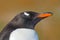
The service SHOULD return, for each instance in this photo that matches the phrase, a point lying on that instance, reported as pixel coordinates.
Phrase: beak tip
(50, 13)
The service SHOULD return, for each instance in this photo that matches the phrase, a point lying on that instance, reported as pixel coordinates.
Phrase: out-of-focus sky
(48, 29)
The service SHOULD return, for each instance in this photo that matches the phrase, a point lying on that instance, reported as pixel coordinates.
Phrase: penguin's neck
(23, 34)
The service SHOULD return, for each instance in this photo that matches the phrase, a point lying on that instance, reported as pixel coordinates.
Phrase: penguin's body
(22, 26)
(23, 34)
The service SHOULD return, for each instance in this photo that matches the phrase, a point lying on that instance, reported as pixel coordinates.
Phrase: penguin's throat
(31, 25)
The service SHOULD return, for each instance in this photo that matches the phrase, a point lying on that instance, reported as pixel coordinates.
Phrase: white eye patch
(26, 14)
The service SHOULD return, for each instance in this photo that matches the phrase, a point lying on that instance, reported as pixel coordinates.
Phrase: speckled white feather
(23, 34)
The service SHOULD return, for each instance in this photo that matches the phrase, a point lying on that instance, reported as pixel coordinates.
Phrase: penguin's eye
(26, 14)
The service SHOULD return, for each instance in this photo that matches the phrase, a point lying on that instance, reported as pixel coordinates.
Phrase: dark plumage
(22, 21)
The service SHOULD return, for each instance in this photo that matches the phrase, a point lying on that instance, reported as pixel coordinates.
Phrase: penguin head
(29, 19)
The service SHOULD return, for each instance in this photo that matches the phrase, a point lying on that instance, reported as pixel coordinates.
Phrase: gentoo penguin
(22, 26)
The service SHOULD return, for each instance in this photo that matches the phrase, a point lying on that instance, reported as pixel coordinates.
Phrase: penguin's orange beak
(44, 15)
